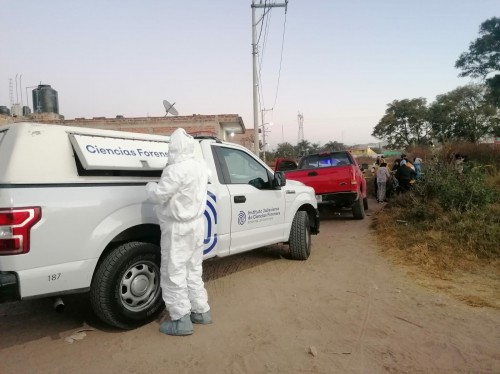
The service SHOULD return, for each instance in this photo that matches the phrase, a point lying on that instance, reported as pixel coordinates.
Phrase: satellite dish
(169, 108)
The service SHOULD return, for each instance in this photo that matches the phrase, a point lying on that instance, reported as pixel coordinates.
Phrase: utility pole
(17, 93)
(263, 126)
(267, 8)
(21, 89)
(11, 92)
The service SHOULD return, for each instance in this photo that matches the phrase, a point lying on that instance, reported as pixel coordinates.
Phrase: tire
(365, 203)
(358, 210)
(125, 290)
(300, 237)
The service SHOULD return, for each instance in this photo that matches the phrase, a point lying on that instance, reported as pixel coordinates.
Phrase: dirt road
(345, 310)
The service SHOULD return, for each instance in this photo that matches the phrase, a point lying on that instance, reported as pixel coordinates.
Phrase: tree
(483, 58)
(303, 148)
(463, 114)
(333, 146)
(493, 93)
(314, 148)
(404, 123)
(285, 150)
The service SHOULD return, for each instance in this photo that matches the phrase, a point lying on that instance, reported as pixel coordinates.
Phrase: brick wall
(196, 124)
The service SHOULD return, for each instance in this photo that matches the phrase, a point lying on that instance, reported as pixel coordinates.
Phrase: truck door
(257, 210)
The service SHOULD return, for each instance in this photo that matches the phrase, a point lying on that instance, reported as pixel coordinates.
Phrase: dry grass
(457, 260)
(448, 245)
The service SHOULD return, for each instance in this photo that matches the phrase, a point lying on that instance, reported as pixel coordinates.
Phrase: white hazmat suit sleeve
(163, 191)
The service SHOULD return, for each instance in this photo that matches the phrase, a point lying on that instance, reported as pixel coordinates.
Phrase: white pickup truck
(74, 215)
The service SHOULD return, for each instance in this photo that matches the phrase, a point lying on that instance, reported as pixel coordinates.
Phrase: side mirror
(279, 180)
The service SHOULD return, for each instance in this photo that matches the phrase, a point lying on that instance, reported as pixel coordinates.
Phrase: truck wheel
(300, 237)
(125, 291)
(365, 203)
(358, 209)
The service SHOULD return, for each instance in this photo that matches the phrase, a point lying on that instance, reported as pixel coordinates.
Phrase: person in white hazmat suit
(181, 195)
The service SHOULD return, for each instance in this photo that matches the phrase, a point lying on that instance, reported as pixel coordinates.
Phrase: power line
(281, 60)
(261, 55)
(255, 57)
(262, 20)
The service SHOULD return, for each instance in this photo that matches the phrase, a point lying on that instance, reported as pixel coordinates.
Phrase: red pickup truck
(335, 176)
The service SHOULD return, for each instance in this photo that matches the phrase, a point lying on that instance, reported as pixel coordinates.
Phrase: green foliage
(454, 215)
(493, 93)
(465, 192)
(477, 231)
(405, 123)
(314, 148)
(287, 150)
(463, 114)
(472, 231)
(483, 56)
(442, 189)
(466, 113)
(333, 146)
(304, 147)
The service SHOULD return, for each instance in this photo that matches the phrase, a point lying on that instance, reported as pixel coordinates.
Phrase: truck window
(325, 160)
(309, 162)
(241, 168)
(287, 165)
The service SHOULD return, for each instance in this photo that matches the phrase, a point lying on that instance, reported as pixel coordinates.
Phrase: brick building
(227, 127)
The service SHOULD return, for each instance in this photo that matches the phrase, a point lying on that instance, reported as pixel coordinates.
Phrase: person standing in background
(382, 177)
(459, 163)
(374, 171)
(417, 162)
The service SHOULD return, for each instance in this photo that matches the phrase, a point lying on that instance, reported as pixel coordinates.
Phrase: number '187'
(53, 277)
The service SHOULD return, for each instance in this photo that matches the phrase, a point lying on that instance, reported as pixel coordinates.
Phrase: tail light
(15, 226)
(354, 182)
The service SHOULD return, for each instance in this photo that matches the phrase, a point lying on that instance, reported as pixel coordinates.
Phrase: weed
(449, 225)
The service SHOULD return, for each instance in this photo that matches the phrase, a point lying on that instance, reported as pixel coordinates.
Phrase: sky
(338, 63)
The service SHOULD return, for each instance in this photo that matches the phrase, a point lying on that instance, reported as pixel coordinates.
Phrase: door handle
(312, 174)
(239, 199)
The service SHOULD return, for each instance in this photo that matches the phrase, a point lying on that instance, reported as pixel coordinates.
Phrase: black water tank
(45, 99)
(4, 110)
(26, 111)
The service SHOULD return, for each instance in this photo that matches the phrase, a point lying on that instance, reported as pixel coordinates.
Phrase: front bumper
(9, 287)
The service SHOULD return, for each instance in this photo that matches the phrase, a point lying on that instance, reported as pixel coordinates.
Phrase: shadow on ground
(25, 321)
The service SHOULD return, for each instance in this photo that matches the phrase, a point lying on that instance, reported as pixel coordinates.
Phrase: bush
(464, 192)
(452, 214)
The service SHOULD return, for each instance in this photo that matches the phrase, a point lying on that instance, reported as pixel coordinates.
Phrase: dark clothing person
(459, 163)
(404, 175)
(395, 166)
